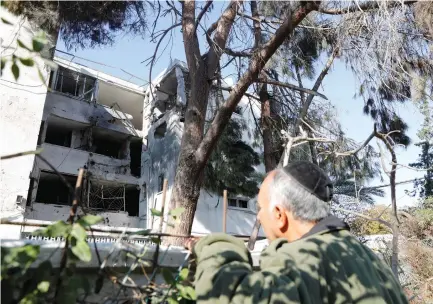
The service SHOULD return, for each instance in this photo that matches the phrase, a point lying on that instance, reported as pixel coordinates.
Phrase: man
(311, 258)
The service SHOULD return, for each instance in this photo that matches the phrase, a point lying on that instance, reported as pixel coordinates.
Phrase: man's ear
(280, 217)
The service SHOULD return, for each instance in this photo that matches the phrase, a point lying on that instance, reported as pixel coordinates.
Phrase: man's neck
(298, 229)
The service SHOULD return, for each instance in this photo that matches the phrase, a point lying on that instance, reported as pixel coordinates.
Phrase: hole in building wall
(132, 199)
(161, 130)
(51, 189)
(74, 83)
(108, 146)
(160, 182)
(58, 136)
(135, 150)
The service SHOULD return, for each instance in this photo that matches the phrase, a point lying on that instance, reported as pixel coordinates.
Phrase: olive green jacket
(327, 265)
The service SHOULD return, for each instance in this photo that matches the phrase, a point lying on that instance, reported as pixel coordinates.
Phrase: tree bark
(189, 175)
(195, 148)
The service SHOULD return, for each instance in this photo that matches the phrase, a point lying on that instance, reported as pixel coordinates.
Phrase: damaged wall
(161, 161)
(45, 212)
(20, 115)
(80, 111)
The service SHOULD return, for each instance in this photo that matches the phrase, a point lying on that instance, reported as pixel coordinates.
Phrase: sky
(128, 53)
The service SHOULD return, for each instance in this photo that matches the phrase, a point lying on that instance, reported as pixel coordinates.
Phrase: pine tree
(424, 188)
(231, 165)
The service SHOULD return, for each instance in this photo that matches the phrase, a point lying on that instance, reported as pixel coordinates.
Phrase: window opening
(52, 190)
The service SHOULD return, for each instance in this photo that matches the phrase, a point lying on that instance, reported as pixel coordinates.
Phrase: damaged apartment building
(93, 121)
(127, 138)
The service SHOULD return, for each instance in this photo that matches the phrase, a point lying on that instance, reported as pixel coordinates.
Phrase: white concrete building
(125, 136)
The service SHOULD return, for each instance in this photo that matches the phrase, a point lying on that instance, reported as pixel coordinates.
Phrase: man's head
(293, 198)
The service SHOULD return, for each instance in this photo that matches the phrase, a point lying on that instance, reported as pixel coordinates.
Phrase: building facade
(126, 137)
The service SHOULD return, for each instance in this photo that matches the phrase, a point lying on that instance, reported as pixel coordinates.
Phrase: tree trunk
(195, 148)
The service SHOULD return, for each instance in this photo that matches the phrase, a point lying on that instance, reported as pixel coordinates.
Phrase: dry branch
(366, 6)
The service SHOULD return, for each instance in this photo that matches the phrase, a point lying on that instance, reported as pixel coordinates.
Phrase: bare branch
(366, 6)
(292, 87)
(231, 52)
(203, 11)
(221, 35)
(364, 144)
(316, 86)
(38, 151)
(256, 65)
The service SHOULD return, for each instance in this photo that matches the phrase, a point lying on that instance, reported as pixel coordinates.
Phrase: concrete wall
(48, 212)
(67, 107)
(162, 157)
(22, 104)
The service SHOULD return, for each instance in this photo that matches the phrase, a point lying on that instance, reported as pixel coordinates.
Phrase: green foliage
(362, 226)
(32, 285)
(84, 23)
(347, 191)
(155, 212)
(39, 41)
(89, 220)
(231, 165)
(424, 188)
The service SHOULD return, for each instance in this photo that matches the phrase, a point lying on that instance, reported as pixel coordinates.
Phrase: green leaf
(155, 212)
(58, 229)
(186, 292)
(15, 71)
(41, 77)
(89, 220)
(30, 298)
(155, 240)
(3, 63)
(167, 275)
(6, 21)
(50, 63)
(44, 286)
(143, 232)
(177, 212)
(172, 301)
(37, 44)
(183, 274)
(21, 44)
(27, 62)
(19, 257)
(78, 232)
(82, 251)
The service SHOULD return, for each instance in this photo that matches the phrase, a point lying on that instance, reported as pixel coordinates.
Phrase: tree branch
(292, 87)
(222, 32)
(366, 6)
(231, 52)
(256, 65)
(203, 11)
(316, 86)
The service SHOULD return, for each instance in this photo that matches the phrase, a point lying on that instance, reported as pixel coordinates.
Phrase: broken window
(106, 196)
(135, 151)
(58, 136)
(107, 146)
(238, 203)
(132, 197)
(160, 182)
(75, 84)
(52, 190)
(160, 130)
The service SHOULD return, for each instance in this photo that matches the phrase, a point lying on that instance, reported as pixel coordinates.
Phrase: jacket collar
(328, 224)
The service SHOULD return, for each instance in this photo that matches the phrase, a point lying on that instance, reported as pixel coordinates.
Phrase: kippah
(311, 178)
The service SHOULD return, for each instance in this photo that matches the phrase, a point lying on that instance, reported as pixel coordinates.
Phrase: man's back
(326, 266)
